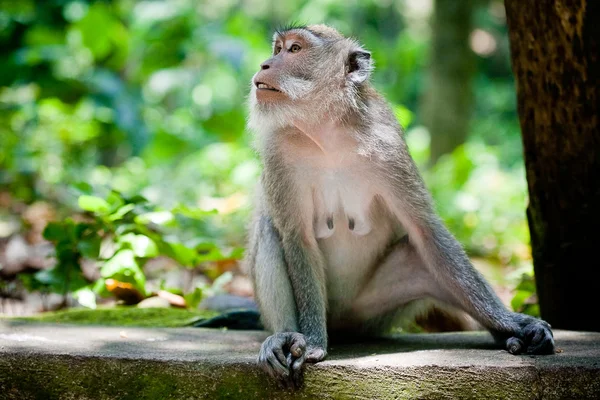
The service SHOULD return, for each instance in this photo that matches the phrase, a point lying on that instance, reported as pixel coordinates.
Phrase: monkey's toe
(315, 354)
(534, 337)
(539, 338)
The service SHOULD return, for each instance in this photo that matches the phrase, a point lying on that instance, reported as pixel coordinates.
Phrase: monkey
(345, 239)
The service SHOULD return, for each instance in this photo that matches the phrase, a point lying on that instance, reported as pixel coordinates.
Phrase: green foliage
(525, 299)
(128, 230)
(67, 237)
(482, 203)
(149, 98)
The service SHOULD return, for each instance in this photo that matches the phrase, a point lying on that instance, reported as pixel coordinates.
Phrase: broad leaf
(93, 204)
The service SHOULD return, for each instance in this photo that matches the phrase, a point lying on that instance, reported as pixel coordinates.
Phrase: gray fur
(339, 192)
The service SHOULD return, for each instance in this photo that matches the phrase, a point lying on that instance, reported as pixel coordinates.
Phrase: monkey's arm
(273, 290)
(456, 280)
(307, 275)
(290, 283)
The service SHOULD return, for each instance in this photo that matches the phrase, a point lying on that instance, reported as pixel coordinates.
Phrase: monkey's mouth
(264, 86)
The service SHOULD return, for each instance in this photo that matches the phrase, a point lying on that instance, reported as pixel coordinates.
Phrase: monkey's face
(313, 72)
(288, 75)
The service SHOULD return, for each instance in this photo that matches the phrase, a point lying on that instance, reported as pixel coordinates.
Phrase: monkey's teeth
(265, 86)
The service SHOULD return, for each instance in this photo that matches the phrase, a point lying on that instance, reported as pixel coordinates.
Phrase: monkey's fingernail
(297, 352)
(330, 222)
(351, 224)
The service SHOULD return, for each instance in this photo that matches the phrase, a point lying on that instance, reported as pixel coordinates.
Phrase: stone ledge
(40, 361)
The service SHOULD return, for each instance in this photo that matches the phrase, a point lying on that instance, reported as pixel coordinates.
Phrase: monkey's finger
(538, 335)
(298, 348)
(539, 339)
(514, 345)
(297, 368)
(280, 369)
(265, 365)
(278, 352)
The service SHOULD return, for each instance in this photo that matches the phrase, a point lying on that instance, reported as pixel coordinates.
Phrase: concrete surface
(75, 362)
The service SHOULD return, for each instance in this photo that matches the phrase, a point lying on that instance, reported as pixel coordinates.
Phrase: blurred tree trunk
(556, 60)
(446, 104)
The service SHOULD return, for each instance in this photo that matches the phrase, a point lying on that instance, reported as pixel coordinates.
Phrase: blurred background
(126, 172)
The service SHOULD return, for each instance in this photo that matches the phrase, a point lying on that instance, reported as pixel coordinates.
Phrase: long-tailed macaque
(345, 238)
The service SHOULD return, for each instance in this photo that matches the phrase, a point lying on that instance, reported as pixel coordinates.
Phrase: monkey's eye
(277, 50)
(295, 48)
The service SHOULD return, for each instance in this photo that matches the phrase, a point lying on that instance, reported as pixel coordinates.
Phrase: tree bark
(556, 62)
(446, 104)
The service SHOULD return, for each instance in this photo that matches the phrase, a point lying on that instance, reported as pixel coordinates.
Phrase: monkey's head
(313, 71)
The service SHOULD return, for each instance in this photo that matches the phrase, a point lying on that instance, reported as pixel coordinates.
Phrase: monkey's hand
(283, 355)
(533, 337)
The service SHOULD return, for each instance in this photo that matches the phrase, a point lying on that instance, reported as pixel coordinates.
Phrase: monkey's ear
(359, 66)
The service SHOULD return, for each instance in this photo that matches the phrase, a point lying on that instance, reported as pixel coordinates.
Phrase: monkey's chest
(342, 201)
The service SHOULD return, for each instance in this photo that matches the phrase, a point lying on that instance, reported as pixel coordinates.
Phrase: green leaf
(83, 188)
(194, 213)
(141, 245)
(93, 204)
(137, 199)
(66, 276)
(183, 254)
(121, 211)
(156, 217)
(194, 298)
(98, 41)
(214, 254)
(210, 252)
(237, 253)
(527, 284)
(115, 201)
(90, 248)
(86, 297)
(55, 232)
(82, 230)
(124, 267)
(30, 282)
(519, 299)
(120, 262)
(99, 287)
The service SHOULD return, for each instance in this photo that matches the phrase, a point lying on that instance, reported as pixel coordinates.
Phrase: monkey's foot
(282, 355)
(534, 337)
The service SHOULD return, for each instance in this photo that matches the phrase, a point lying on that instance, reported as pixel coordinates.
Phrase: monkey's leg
(403, 276)
(400, 278)
(458, 283)
(468, 290)
(283, 353)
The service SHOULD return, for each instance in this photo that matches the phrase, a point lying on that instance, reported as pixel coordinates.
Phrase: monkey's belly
(353, 230)
(342, 203)
(350, 258)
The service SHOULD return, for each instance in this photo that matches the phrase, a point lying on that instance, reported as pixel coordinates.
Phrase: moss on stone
(67, 377)
(63, 376)
(123, 316)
